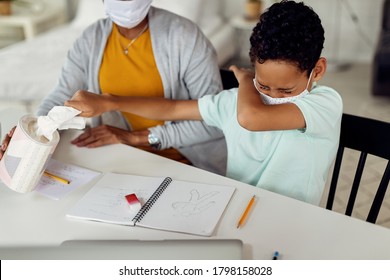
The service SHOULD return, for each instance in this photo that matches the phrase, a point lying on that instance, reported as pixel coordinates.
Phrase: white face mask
(273, 101)
(127, 14)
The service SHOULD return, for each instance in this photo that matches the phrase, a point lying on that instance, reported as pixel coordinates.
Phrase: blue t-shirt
(294, 163)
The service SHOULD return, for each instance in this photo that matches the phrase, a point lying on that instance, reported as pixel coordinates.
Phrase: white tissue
(60, 117)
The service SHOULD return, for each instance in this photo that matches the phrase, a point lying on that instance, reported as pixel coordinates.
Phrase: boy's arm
(92, 105)
(254, 115)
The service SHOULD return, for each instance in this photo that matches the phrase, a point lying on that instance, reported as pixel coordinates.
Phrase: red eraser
(132, 199)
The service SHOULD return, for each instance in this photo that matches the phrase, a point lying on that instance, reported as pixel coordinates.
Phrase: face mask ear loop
(254, 83)
(308, 82)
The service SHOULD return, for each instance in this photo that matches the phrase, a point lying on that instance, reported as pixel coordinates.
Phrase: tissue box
(26, 157)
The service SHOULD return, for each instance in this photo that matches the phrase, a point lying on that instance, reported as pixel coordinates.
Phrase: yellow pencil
(246, 212)
(55, 177)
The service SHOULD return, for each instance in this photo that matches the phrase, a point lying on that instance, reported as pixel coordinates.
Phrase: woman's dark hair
(288, 31)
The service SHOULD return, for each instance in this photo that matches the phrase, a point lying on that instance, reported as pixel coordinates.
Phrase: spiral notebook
(167, 204)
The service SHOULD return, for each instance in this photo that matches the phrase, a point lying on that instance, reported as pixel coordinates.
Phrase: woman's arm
(93, 105)
(187, 63)
(73, 74)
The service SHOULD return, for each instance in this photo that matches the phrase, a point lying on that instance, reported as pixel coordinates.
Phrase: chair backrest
(369, 137)
(228, 79)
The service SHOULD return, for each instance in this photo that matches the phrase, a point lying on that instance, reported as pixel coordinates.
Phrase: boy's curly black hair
(288, 31)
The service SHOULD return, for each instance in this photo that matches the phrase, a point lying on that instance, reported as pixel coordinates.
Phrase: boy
(282, 129)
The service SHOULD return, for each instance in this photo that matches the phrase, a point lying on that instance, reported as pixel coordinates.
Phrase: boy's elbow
(246, 120)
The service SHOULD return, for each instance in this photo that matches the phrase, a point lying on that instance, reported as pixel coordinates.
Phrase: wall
(343, 39)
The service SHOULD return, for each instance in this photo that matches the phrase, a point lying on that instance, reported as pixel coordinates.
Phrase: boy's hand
(242, 74)
(90, 104)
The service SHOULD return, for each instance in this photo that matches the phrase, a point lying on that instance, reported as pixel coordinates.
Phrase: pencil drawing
(196, 204)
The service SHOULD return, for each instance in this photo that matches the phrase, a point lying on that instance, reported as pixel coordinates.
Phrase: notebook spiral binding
(149, 203)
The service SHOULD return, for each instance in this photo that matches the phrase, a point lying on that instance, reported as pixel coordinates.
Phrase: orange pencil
(55, 177)
(246, 212)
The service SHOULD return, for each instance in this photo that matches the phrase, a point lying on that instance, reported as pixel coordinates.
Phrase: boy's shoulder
(322, 89)
(324, 94)
(321, 99)
(224, 101)
(226, 95)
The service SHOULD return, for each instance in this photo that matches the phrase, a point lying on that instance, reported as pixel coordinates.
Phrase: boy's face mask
(127, 14)
(273, 101)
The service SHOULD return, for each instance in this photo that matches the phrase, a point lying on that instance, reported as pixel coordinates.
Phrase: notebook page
(106, 202)
(76, 175)
(188, 207)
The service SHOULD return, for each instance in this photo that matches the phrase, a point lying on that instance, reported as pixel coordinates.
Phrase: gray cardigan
(187, 64)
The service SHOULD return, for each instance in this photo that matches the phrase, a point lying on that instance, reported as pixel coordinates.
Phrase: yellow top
(134, 74)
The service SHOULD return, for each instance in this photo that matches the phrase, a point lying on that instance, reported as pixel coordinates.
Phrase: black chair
(369, 137)
(228, 79)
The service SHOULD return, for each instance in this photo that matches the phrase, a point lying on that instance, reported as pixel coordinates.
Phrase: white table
(296, 229)
(39, 16)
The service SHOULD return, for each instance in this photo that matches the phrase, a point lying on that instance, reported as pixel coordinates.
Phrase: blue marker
(276, 255)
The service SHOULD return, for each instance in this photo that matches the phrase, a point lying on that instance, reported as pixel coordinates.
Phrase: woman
(141, 50)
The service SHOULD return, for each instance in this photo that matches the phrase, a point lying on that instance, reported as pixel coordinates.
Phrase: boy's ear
(319, 69)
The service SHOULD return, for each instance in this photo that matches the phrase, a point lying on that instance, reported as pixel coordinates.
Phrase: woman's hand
(6, 141)
(106, 135)
(90, 104)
